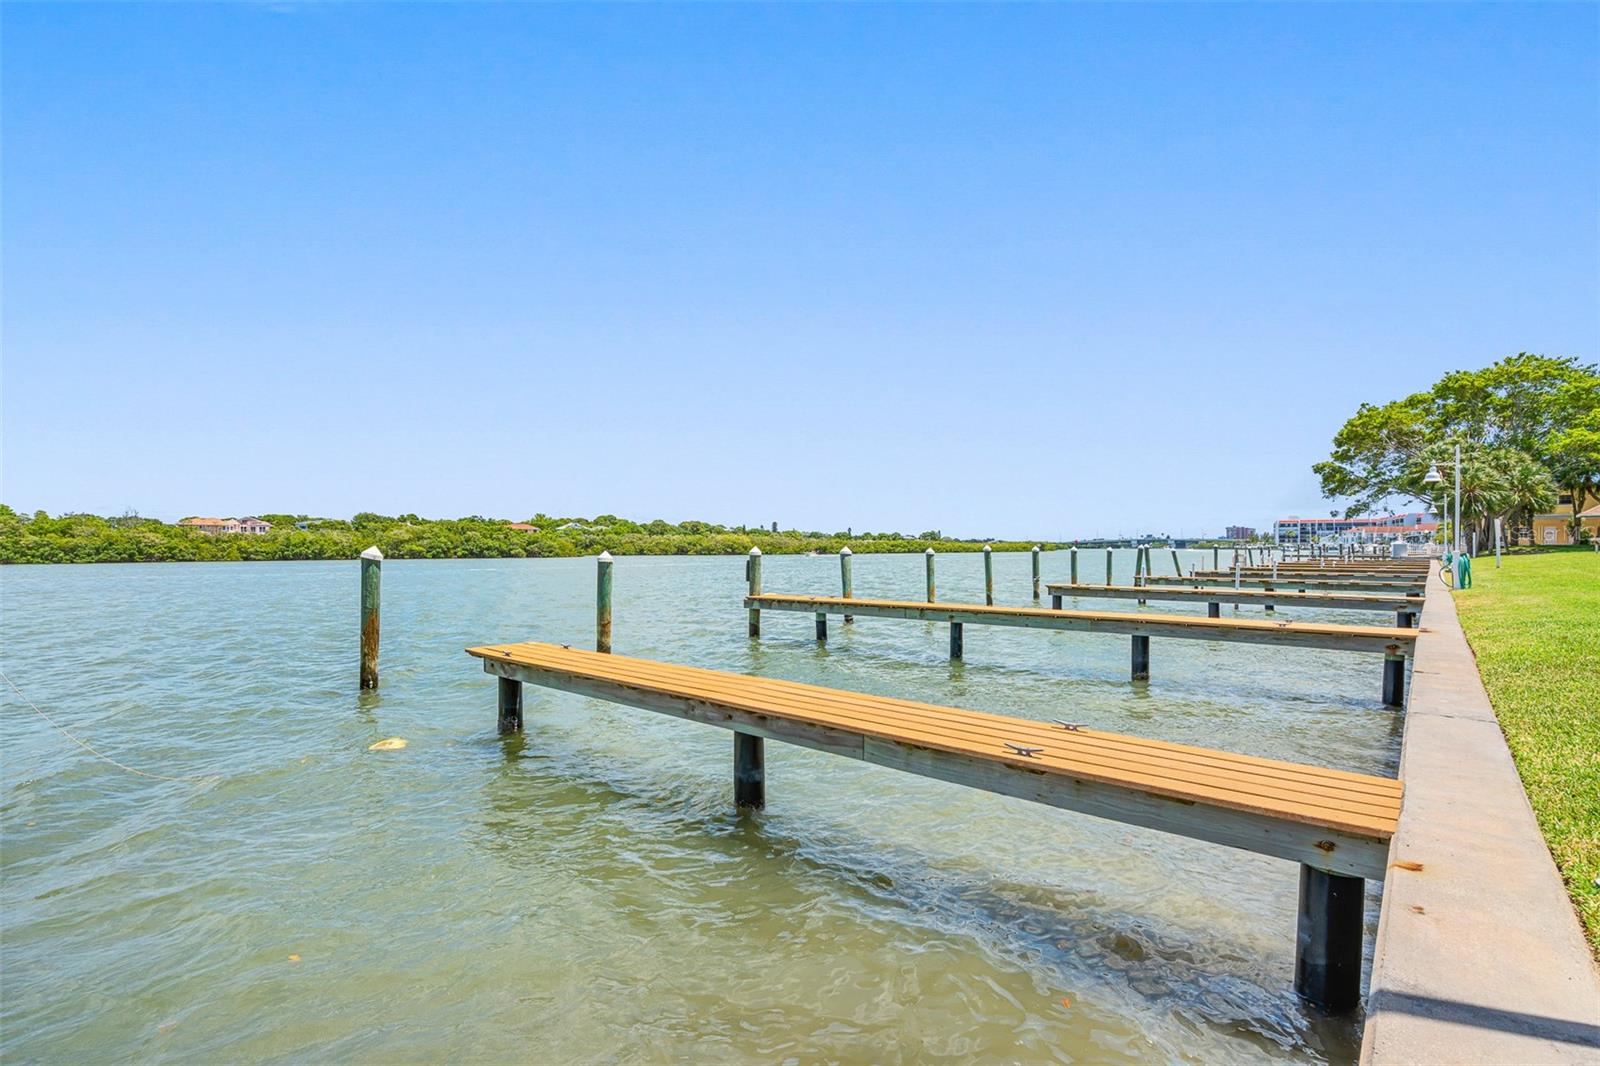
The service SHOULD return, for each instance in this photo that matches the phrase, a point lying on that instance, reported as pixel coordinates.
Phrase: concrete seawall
(1479, 955)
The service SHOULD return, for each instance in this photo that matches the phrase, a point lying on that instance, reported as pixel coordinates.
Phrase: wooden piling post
(929, 556)
(602, 603)
(822, 627)
(1036, 573)
(1214, 609)
(371, 580)
(1327, 944)
(1394, 677)
(749, 771)
(1072, 563)
(956, 647)
(845, 584)
(752, 572)
(1108, 568)
(510, 705)
(988, 575)
(1177, 567)
(1216, 557)
(1055, 603)
(1141, 559)
(1141, 658)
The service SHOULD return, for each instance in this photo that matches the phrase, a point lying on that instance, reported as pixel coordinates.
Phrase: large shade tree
(1526, 425)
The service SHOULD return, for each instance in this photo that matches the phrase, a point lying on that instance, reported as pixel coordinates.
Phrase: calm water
(586, 894)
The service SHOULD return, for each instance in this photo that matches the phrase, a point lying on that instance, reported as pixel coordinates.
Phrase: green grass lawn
(1534, 626)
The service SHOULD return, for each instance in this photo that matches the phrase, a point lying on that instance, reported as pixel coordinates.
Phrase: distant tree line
(1529, 431)
(130, 538)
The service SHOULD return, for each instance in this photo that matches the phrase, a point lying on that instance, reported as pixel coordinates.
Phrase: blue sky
(1022, 270)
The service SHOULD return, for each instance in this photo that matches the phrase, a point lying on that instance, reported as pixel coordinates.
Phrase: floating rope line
(88, 748)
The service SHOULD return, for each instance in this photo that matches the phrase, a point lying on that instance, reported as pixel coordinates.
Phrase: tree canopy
(81, 538)
(1528, 427)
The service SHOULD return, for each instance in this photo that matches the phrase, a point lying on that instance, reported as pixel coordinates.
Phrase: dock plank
(1381, 639)
(1335, 820)
(1351, 601)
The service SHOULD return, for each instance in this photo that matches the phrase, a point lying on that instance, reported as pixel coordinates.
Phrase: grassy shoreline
(1534, 627)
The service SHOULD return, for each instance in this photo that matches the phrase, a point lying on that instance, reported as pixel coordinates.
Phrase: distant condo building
(1414, 526)
(1241, 533)
(226, 525)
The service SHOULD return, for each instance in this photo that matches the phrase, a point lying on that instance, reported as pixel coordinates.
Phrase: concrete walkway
(1479, 957)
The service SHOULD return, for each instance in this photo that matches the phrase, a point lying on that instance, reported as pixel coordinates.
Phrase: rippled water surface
(586, 893)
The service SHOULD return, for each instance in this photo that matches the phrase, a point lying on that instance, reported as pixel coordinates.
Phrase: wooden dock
(1215, 595)
(1315, 571)
(1299, 582)
(1336, 824)
(1391, 642)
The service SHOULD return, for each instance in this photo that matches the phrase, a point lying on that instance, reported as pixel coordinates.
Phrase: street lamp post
(1456, 529)
(1434, 477)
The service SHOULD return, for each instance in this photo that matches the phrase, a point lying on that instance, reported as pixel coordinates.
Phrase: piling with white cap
(371, 578)
(844, 579)
(602, 604)
(752, 573)
(929, 555)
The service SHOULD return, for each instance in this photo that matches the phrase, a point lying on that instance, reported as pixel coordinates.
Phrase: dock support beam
(845, 582)
(510, 703)
(749, 771)
(752, 573)
(1327, 944)
(1213, 609)
(1403, 619)
(988, 576)
(1394, 677)
(602, 604)
(1141, 658)
(929, 556)
(371, 578)
(822, 628)
(1055, 603)
(955, 640)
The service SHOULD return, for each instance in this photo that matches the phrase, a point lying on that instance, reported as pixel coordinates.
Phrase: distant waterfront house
(210, 525)
(226, 525)
(1556, 527)
(522, 527)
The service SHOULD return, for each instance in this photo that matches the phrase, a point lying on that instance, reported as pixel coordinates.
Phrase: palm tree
(1531, 490)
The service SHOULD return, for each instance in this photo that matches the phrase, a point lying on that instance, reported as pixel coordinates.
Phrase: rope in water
(88, 748)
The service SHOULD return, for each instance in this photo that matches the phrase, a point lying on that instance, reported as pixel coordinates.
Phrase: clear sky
(1023, 270)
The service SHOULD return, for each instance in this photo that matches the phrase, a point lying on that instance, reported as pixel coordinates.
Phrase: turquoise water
(586, 893)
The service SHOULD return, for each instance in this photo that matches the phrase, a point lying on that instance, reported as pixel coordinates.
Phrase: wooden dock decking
(1300, 583)
(1337, 825)
(1391, 642)
(1330, 820)
(1348, 601)
(1380, 639)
